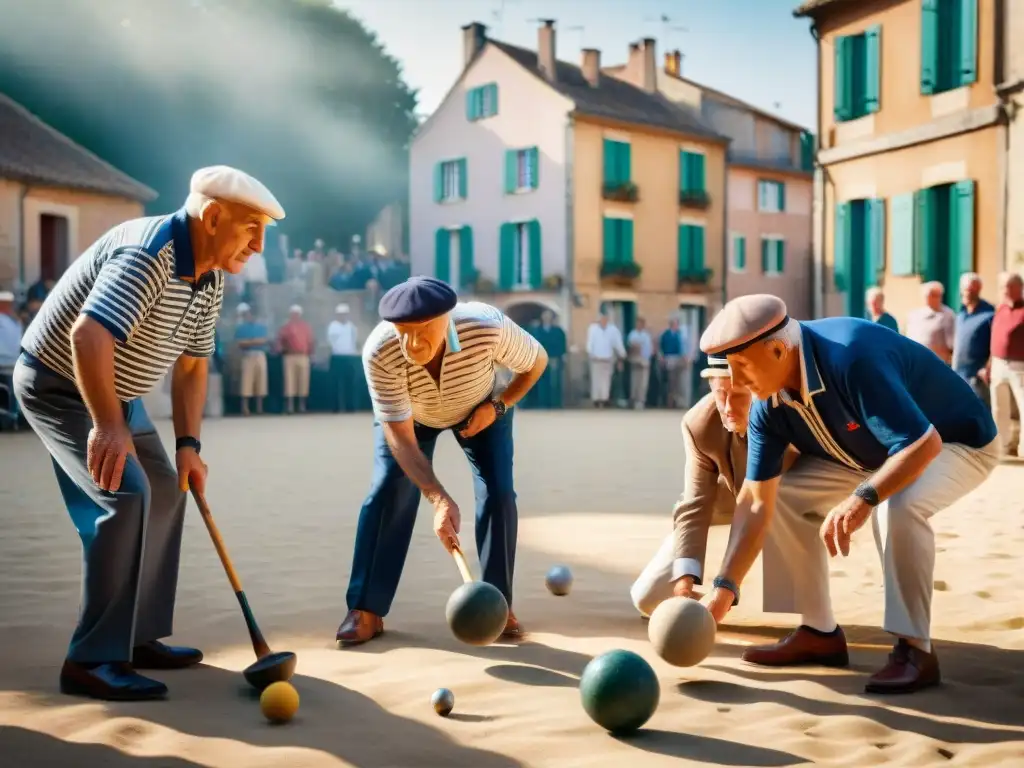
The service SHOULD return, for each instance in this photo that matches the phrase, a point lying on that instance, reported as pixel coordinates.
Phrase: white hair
(873, 292)
(934, 285)
(789, 334)
(969, 277)
(195, 203)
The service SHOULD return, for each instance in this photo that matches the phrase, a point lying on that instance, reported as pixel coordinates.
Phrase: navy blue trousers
(388, 515)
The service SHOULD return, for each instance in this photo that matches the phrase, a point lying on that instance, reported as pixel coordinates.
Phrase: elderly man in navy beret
(430, 366)
(886, 432)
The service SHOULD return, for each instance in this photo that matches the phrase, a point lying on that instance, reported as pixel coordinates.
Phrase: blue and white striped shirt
(132, 281)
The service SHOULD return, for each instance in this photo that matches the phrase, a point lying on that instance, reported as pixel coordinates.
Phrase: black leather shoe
(115, 681)
(156, 655)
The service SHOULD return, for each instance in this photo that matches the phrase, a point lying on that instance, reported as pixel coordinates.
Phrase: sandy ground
(595, 492)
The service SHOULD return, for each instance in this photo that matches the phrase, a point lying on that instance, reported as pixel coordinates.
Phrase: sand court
(595, 494)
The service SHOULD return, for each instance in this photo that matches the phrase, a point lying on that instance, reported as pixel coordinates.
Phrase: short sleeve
(517, 350)
(126, 288)
(389, 392)
(203, 342)
(765, 447)
(884, 405)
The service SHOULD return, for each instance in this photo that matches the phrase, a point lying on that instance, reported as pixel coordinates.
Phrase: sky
(753, 50)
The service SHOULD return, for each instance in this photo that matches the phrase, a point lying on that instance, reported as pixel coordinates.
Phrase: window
(521, 170)
(618, 241)
(949, 44)
(520, 264)
(691, 172)
(773, 255)
(771, 196)
(807, 151)
(691, 251)
(858, 74)
(859, 250)
(458, 242)
(944, 234)
(482, 102)
(617, 170)
(450, 181)
(739, 253)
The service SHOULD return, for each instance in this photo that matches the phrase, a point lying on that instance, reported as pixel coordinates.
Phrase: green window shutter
(534, 161)
(929, 45)
(699, 179)
(697, 257)
(962, 236)
(463, 179)
(842, 246)
(626, 241)
(471, 104)
(626, 164)
(807, 151)
(924, 228)
(466, 267)
(872, 69)
(876, 241)
(610, 242)
(442, 254)
(683, 250)
(536, 260)
(511, 171)
(765, 255)
(438, 182)
(740, 252)
(506, 257)
(843, 83)
(780, 256)
(782, 195)
(968, 64)
(684, 171)
(493, 88)
(610, 162)
(901, 235)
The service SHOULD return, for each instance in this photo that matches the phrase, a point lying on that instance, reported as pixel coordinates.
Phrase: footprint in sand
(948, 754)
(947, 535)
(941, 586)
(725, 709)
(1017, 622)
(984, 595)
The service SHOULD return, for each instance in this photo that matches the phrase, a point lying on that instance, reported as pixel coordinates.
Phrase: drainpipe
(569, 278)
(818, 259)
(21, 236)
(725, 230)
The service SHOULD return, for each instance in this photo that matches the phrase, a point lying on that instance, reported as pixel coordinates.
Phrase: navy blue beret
(418, 298)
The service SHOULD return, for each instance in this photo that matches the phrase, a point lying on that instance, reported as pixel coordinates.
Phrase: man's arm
(92, 353)
(755, 507)
(692, 516)
(188, 395)
(523, 355)
(401, 439)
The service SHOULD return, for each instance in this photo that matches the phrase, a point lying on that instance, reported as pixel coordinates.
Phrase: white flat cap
(222, 182)
(341, 308)
(295, 308)
(6, 296)
(243, 308)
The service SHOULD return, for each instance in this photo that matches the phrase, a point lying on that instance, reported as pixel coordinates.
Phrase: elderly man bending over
(886, 431)
(143, 298)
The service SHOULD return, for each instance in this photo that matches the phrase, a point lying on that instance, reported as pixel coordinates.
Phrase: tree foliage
(297, 92)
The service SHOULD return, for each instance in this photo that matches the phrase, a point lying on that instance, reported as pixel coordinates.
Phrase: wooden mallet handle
(460, 560)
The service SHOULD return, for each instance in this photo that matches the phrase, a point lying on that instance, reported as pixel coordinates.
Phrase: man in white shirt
(346, 363)
(934, 324)
(641, 348)
(605, 351)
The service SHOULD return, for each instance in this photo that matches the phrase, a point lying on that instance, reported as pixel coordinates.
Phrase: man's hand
(719, 603)
(447, 521)
(841, 522)
(983, 375)
(192, 471)
(683, 587)
(108, 449)
(480, 419)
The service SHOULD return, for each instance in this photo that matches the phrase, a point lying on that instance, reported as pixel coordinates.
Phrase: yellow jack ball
(279, 702)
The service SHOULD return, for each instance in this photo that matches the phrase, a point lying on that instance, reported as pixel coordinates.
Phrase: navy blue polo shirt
(973, 339)
(867, 393)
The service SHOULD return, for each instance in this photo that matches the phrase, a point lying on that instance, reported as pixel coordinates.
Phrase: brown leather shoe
(802, 646)
(513, 629)
(908, 669)
(359, 627)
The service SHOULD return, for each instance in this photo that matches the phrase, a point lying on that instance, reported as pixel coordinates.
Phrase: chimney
(473, 38)
(546, 49)
(673, 61)
(649, 71)
(591, 66)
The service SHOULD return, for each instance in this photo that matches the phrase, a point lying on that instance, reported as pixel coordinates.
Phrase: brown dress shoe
(909, 669)
(803, 645)
(513, 629)
(358, 627)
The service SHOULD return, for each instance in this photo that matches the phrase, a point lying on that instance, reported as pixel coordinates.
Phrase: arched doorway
(528, 313)
(548, 392)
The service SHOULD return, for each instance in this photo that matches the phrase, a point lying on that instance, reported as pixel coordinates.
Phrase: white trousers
(795, 560)
(1006, 381)
(601, 372)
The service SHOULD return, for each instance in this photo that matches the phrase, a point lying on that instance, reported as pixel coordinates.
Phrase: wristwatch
(721, 582)
(867, 492)
(499, 407)
(187, 441)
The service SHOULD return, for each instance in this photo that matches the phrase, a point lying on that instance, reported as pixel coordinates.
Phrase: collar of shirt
(811, 381)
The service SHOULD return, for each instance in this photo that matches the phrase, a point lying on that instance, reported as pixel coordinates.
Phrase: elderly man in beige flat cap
(886, 432)
(143, 299)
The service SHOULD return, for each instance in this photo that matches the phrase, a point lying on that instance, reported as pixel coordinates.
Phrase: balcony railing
(694, 198)
(694, 279)
(621, 274)
(625, 192)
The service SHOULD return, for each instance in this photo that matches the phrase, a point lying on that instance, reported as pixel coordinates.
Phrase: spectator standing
(253, 340)
(346, 362)
(972, 340)
(297, 345)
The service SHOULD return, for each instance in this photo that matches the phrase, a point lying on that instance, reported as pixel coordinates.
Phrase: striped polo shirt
(132, 281)
(400, 390)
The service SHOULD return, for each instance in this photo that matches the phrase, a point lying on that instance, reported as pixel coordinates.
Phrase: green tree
(297, 92)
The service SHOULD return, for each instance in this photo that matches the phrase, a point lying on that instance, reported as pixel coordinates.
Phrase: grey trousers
(131, 539)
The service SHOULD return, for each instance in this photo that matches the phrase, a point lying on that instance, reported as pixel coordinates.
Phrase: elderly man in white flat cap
(141, 300)
(346, 360)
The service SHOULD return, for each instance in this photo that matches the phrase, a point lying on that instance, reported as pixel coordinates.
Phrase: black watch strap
(499, 407)
(867, 492)
(721, 582)
(188, 442)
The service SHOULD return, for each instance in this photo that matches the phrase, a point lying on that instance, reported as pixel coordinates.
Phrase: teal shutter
(684, 257)
(843, 82)
(466, 267)
(961, 210)
(872, 68)
(842, 246)
(929, 45)
(876, 241)
(625, 164)
(627, 239)
(471, 104)
(610, 243)
(740, 252)
(765, 255)
(968, 64)
(493, 89)
(807, 151)
(534, 160)
(438, 182)
(924, 227)
(684, 171)
(780, 256)
(511, 171)
(506, 257)
(610, 163)
(781, 185)
(442, 254)
(697, 256)
(463, 178)
(901, 235)
(536, 261)
(699, 171)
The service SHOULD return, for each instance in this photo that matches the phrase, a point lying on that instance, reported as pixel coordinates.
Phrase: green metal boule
(619, 691)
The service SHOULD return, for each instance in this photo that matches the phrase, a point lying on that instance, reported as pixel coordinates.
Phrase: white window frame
(487, 109)
(774, 272)
(522, 278)
(733, 236)
(768, 203)
(523, 180)
(450, 181)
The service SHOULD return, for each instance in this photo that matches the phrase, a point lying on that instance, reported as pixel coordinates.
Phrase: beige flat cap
(742, 322)
(222, 182)
(718, 368)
